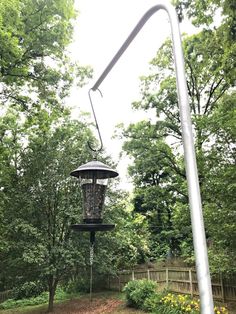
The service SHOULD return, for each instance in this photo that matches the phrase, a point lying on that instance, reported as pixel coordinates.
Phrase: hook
(96, 123)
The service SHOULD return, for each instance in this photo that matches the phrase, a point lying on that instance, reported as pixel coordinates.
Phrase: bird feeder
(93, 177)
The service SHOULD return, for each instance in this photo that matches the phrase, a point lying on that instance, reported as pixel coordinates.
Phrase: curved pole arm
(126, 44)
(199, 238)
(95, 150)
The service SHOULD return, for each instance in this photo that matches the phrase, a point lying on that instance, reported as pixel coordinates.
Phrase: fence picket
(181, 280)
(167, 277)
(191, 282)
(222, 287)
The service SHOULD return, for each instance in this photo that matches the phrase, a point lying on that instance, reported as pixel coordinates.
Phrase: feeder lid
(93, 169)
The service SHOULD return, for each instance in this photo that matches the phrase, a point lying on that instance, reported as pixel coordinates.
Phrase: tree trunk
(52, 289)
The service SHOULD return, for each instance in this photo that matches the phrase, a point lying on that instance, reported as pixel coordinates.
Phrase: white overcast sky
(100, 29)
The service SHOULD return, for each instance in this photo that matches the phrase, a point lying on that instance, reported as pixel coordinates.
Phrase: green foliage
(38, 153)
(79, 285)
(11, 303)
(177, 304)
(28, 289)
(39, 146)
(155, 146)
(159, 186)
(61, 294)
(34, 63)
(40, 299)
(36, 226)
(206, 12)
(180, 304)
(152, 303)
(140, 295)
(124, 247)
(137, 291)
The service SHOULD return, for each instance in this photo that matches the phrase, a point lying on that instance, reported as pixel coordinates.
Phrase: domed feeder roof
(93, 169)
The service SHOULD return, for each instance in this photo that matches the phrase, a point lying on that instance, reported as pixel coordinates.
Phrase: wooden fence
(179, 280)
(5, 295)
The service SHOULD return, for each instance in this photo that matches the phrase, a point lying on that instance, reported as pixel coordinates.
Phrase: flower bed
(142, 294)
(178, 304)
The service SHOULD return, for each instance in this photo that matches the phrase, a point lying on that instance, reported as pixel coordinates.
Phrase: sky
(100, 29)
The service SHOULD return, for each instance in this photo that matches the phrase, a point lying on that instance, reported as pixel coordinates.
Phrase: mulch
(85, 306)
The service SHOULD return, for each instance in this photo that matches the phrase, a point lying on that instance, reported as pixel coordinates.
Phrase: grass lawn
(26, 310)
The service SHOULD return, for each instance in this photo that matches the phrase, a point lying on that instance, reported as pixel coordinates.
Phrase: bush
(137, 291)
(142, 294)
(28, 289)
(78, 285)
(61, 294)
(153, 302)
(82, 283)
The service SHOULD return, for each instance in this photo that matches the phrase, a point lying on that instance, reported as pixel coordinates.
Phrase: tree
(128, 245)
(159, 180)
(210, 82)
(39, 146)
(219, 187)
(34, 63)
(204, 12)
(40, 200)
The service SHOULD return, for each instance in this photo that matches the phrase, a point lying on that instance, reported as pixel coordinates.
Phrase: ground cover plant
(179, 304)
(40, 299)
(142, 294)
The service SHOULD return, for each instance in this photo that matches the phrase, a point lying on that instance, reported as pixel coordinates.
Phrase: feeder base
(92, 227)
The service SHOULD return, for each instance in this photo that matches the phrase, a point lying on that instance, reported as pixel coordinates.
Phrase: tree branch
(211, 93)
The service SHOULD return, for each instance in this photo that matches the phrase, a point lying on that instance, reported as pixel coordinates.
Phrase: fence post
(167, 277)
(133, 275)
(148, 274)
(222, 287)
(191, 282)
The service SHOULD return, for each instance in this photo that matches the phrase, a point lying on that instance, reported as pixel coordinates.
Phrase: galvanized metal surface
(198, 230)
(95, 169)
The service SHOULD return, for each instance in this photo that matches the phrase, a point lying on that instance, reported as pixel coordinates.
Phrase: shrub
(137, 291)
(153, 302)
(142, 294)
(82, 283)
(78, 285)
(28, 289)
(60, 294)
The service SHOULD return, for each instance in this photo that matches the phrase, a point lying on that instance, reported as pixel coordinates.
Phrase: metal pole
(92, 241)
(199, 238)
